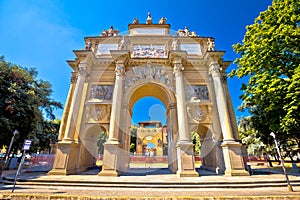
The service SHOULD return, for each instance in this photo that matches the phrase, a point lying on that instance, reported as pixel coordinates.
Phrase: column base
(185, 156)
(236, 173)
(234, 164)
(66, 158)
(108, 172)
(61, 172)
(186, 173)
(111, 159)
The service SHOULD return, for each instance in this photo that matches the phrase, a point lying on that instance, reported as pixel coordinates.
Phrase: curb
(73, 197)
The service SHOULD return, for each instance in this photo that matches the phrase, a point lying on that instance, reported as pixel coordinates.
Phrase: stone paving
(53, 190)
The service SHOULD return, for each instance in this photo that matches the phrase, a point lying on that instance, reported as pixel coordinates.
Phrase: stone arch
(150, 87)
(88, 151)
(208, 146)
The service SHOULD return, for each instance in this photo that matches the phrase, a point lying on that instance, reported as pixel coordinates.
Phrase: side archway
(89, 146)
(208, 147)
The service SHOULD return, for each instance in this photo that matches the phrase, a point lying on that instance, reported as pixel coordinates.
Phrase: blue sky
(42, 33)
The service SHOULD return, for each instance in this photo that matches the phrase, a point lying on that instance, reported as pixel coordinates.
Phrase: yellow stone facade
(114, 71)
(151, 139)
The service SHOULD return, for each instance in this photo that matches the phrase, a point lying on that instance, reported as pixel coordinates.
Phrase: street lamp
(16, 132)
(282, 163)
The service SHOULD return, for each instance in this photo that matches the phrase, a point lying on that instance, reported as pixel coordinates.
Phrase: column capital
(177, 57)
(83, 68)
(178, 68)
(74, 77)
(120, 70)
(214, 69)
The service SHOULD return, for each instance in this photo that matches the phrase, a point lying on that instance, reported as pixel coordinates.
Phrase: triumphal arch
(181, 69)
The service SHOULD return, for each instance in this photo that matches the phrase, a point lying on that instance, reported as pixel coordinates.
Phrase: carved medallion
(96, 112)
(196, 113)
(99, 112)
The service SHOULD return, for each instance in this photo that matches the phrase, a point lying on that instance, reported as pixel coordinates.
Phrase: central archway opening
(148, 134)
(152, 129)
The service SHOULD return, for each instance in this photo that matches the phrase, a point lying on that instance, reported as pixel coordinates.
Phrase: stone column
(216, 128)
(63, 124)
(224, 117)
(116, 105)
(75, 103)
(67, 149)
(113, 147)
(185, 153)
(231, 148)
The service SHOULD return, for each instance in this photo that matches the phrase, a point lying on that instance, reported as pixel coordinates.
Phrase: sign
(26, 145)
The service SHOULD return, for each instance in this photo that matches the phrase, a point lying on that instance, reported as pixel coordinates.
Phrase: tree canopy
(25, 102)
(269, 58)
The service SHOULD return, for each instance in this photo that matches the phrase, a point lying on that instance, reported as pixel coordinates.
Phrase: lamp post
(16, 132)
(282, 163)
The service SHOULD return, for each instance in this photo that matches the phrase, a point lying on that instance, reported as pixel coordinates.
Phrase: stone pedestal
(65, 159)
(233, 159)
(186, 163)
(112, 154)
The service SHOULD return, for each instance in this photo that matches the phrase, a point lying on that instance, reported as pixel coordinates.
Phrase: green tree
(250, 137)
(133, 130)
(46, 134)
(25, 102)
(270, 58)
(195, 138)
(101, 141)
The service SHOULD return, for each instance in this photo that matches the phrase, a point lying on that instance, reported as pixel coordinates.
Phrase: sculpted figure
(110, 31)
(123, 44)
(186, 33)
(193, 34)
(186, 30)
(149, 19)
(88, 45)
(163, 20)
(135, 21)
(175, 45)
(210, 44)
(104, 33)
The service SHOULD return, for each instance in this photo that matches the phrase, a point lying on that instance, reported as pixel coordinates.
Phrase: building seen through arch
(183, 70)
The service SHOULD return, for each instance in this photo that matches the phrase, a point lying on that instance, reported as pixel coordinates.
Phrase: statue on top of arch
(136, 21)
(149, 19)
(111, 32)
(186, 33)
(162, 20)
